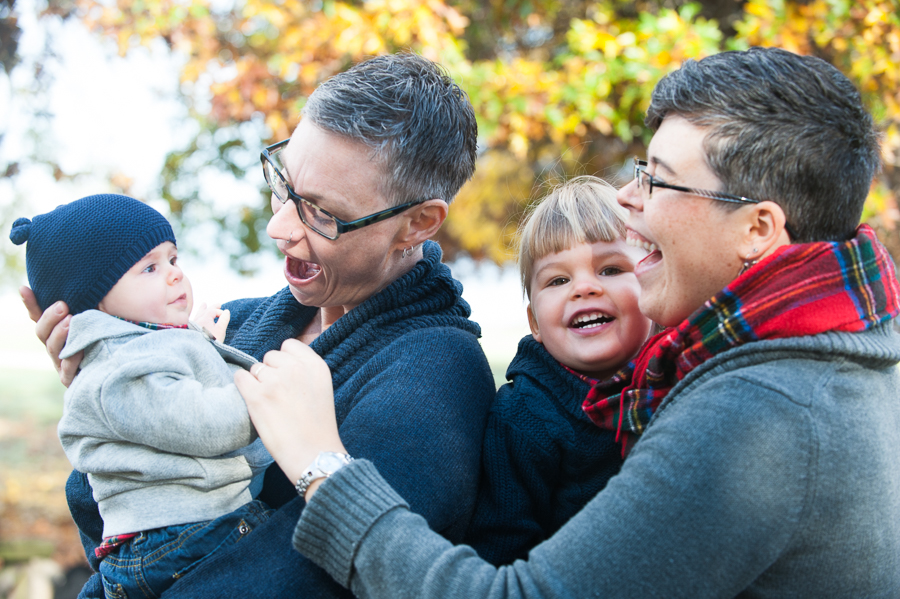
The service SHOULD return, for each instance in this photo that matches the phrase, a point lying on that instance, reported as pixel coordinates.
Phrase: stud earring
(748, 264)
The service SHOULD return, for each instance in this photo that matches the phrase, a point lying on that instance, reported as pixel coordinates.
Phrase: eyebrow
(315, 199)
(611, 254)
(605, 254)
(660, 163)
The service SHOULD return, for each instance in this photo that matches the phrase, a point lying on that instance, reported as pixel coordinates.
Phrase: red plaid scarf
(802, 289)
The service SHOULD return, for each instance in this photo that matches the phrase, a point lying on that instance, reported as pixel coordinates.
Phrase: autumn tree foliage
(560, 87)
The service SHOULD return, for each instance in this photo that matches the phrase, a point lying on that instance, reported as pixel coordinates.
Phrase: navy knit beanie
(78, 251)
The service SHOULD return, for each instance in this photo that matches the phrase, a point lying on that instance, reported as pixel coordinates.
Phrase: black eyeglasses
(646, 182)
(322, 222)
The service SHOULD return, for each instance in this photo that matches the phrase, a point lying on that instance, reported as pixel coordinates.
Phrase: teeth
(303, 269)
(595, 319)
(650, 247)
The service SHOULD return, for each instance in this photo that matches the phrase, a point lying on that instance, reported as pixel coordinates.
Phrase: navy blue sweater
(543, 459)
(412, 390)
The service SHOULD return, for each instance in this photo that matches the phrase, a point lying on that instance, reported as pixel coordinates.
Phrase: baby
(543, 458)
(153, 417)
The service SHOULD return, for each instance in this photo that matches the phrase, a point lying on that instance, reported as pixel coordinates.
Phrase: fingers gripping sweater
(412, 390)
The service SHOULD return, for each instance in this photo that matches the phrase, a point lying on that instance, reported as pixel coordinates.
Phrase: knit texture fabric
(768, 471)
(543, 459)
(800, 290)
(412, 390)
(77, 252)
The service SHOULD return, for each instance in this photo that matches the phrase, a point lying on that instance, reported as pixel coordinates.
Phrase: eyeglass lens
(275, 181)
(317, 220)
(310, 214)
(641, 175)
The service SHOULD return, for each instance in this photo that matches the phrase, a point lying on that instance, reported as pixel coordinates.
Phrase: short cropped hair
(782, 127)
(418, 122)
(582, 210)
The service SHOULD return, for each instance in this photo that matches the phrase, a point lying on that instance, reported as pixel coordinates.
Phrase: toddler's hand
(206, 318)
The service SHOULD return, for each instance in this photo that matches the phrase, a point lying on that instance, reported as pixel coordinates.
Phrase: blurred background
(171, 102)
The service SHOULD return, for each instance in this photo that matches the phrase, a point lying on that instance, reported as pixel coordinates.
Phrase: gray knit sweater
(769, 471)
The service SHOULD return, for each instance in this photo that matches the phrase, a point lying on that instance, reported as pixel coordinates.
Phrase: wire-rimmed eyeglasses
(646, 182)
(321, 221)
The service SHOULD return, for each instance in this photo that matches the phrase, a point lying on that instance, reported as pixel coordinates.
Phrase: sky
(120, 116)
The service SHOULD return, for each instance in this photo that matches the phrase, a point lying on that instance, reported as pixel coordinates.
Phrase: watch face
(329, 462)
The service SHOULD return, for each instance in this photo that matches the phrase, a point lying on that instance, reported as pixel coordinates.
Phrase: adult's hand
(291, 403)
(52, 329)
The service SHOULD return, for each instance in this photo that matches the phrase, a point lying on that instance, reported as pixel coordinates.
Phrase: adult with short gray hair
(768, 411)
(357, 191)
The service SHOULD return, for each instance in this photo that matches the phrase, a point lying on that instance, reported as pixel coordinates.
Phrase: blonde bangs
(582, 210)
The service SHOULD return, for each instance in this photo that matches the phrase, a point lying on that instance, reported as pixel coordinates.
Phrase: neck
(330, 314)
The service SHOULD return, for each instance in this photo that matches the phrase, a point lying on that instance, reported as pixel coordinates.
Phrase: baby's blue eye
(150, 268)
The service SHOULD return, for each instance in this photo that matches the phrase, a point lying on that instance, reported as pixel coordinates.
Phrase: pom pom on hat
(79, 251)
(20, 230)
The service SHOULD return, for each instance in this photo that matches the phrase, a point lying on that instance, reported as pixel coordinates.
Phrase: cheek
(628, 302)
(190, 294)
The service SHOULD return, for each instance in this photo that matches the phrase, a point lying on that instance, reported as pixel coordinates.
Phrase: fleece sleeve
(173, 401)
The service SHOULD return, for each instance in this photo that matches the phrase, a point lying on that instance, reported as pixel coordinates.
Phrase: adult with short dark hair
(768, 468)
(357, 191)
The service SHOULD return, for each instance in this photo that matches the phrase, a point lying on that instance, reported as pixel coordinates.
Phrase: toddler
(153, 417)
(543, 458)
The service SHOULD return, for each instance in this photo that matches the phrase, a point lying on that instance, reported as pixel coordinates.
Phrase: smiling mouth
(302, 269)
(635, 239)
(590, 320)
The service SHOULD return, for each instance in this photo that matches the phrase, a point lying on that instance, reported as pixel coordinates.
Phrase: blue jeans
(151, 562)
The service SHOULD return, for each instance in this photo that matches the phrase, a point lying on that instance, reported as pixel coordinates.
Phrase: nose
(175, 274)
(630, 197)
(585, 286)
(285, 221)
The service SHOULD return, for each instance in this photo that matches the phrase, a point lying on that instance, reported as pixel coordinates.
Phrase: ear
(532, 322)
(422, 222)
(764, 231)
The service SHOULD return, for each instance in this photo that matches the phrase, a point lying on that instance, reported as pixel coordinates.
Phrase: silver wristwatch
(325, 464)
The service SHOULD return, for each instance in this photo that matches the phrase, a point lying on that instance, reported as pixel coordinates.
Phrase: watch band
(325, 464)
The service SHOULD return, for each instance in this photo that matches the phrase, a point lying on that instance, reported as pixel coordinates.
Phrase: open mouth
(635, 239)
(590, 320)
(302, 270)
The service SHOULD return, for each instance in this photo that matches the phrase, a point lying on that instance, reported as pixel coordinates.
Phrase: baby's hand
(206, 318)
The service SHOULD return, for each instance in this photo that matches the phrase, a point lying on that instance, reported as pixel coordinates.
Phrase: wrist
(324, 465)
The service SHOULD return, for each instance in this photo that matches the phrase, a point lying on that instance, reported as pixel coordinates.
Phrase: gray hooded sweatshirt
(156, 422)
